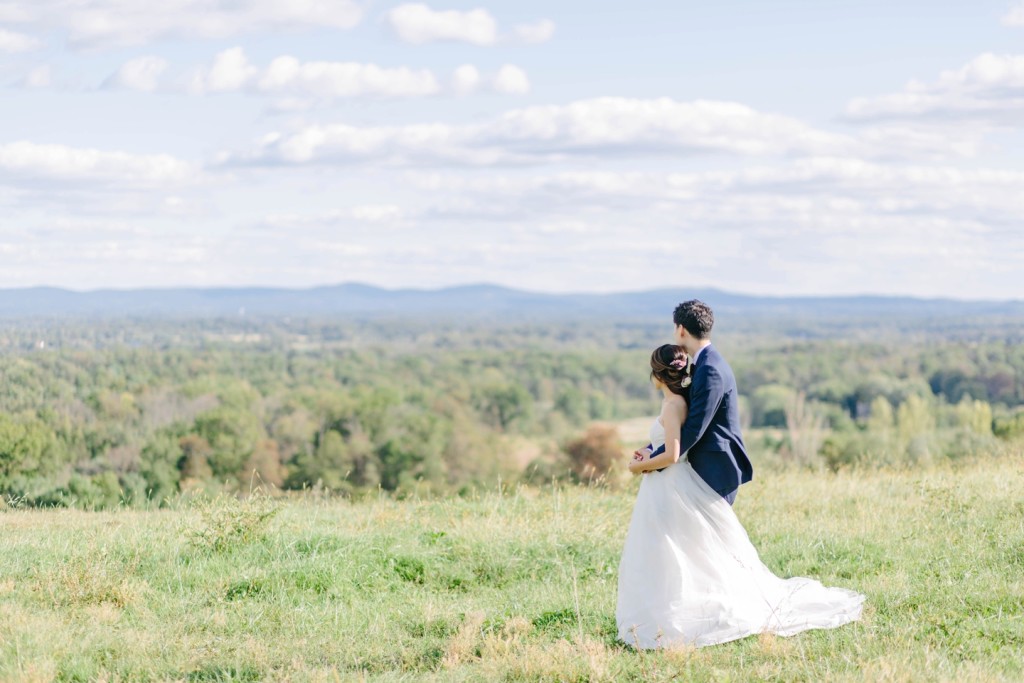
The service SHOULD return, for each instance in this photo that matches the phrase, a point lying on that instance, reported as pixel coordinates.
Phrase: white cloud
(417, 23)
(98, 252)
(39, 77)
(141, 73)
(990, 87)
(14, 12)
(986, 71)
(795, 226)
(229, 72)
(14, 43)
(465, 79)
(332, 221)
(511, 80)
(834, 222)
(287, 75)
(299, 85)
(800, 192)
(549, 133)
(27, 163)
(115, 23)
(539, 32)
(377, 213)
(291, 105)
(650, 126)
(923, 139)
(1014, 16)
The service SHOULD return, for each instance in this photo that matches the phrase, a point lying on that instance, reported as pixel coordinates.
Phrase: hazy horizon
(682, 289)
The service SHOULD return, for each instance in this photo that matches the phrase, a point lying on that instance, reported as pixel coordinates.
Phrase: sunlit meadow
(512, 585)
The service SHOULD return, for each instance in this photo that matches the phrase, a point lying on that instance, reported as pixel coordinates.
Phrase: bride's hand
(638, 460)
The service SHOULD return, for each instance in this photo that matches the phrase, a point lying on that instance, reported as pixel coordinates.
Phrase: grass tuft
(226, 523)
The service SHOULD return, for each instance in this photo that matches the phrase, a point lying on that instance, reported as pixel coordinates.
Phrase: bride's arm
(672, 416)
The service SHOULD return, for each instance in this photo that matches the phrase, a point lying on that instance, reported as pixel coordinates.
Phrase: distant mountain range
(471, 300)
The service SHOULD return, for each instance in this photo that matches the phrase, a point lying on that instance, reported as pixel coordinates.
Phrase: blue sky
(775, 148)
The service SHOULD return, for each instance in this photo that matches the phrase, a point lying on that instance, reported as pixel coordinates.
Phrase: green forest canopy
(136, 410)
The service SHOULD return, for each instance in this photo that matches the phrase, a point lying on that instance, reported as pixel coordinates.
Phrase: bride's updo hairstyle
(669, 366)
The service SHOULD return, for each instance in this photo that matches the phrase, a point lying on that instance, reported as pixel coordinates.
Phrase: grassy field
(519, 586)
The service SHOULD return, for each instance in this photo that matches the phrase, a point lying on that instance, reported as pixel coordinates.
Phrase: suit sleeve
(706, 394)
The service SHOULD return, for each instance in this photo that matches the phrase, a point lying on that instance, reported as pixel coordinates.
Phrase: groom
(711, 434)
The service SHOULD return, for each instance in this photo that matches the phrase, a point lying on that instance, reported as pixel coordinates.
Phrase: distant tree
(232, 434)
(328, 465)
(1010, 427)
(914, 417)
(263, 466)
(115, 405)
(768, 405)
(602, 407)
(195, 457)
(880, 430)
(974, 415)
(503, 405)
(373, 411)
(398, 462)
(595, 455)
(573, 404)
(806, 428)
(28, 449)
(881, 419)
(1001, 384)
(365, 466)
(124, 458)
(472, 454)
(294, 431)
(915, 426)
(158, 466)
(956, 383)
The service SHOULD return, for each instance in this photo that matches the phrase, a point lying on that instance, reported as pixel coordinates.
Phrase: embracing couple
(689, 574)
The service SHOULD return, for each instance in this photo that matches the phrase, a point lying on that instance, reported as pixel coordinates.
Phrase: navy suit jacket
(711, 436)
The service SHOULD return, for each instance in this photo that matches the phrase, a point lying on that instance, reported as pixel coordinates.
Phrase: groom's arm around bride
(711, 435)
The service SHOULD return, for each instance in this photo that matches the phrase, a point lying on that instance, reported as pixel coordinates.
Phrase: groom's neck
(699, 344)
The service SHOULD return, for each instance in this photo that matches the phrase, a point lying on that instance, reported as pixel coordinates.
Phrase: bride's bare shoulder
(675, 403)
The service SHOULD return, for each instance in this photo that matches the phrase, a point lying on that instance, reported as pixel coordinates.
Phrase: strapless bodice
(657, 434)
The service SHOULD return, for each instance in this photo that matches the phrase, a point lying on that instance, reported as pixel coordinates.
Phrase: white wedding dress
(689, 573)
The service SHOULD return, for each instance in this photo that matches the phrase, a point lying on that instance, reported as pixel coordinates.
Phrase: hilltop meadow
(305, 499)
(517, 585)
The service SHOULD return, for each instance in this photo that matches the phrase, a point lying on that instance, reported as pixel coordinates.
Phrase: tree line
(132, 412)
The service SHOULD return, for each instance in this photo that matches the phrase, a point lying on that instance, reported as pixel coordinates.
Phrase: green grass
(512, 587)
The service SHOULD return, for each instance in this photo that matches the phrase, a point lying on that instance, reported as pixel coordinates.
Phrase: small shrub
(556, 619)
(596, 454)
(91, 580)
(247, 588)
(1010, 427)
(225, 523)
(409, 569)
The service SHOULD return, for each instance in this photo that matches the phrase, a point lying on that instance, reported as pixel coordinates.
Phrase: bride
(689, 574)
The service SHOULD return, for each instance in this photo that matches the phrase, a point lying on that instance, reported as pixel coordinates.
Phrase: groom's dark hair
(696, 317)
